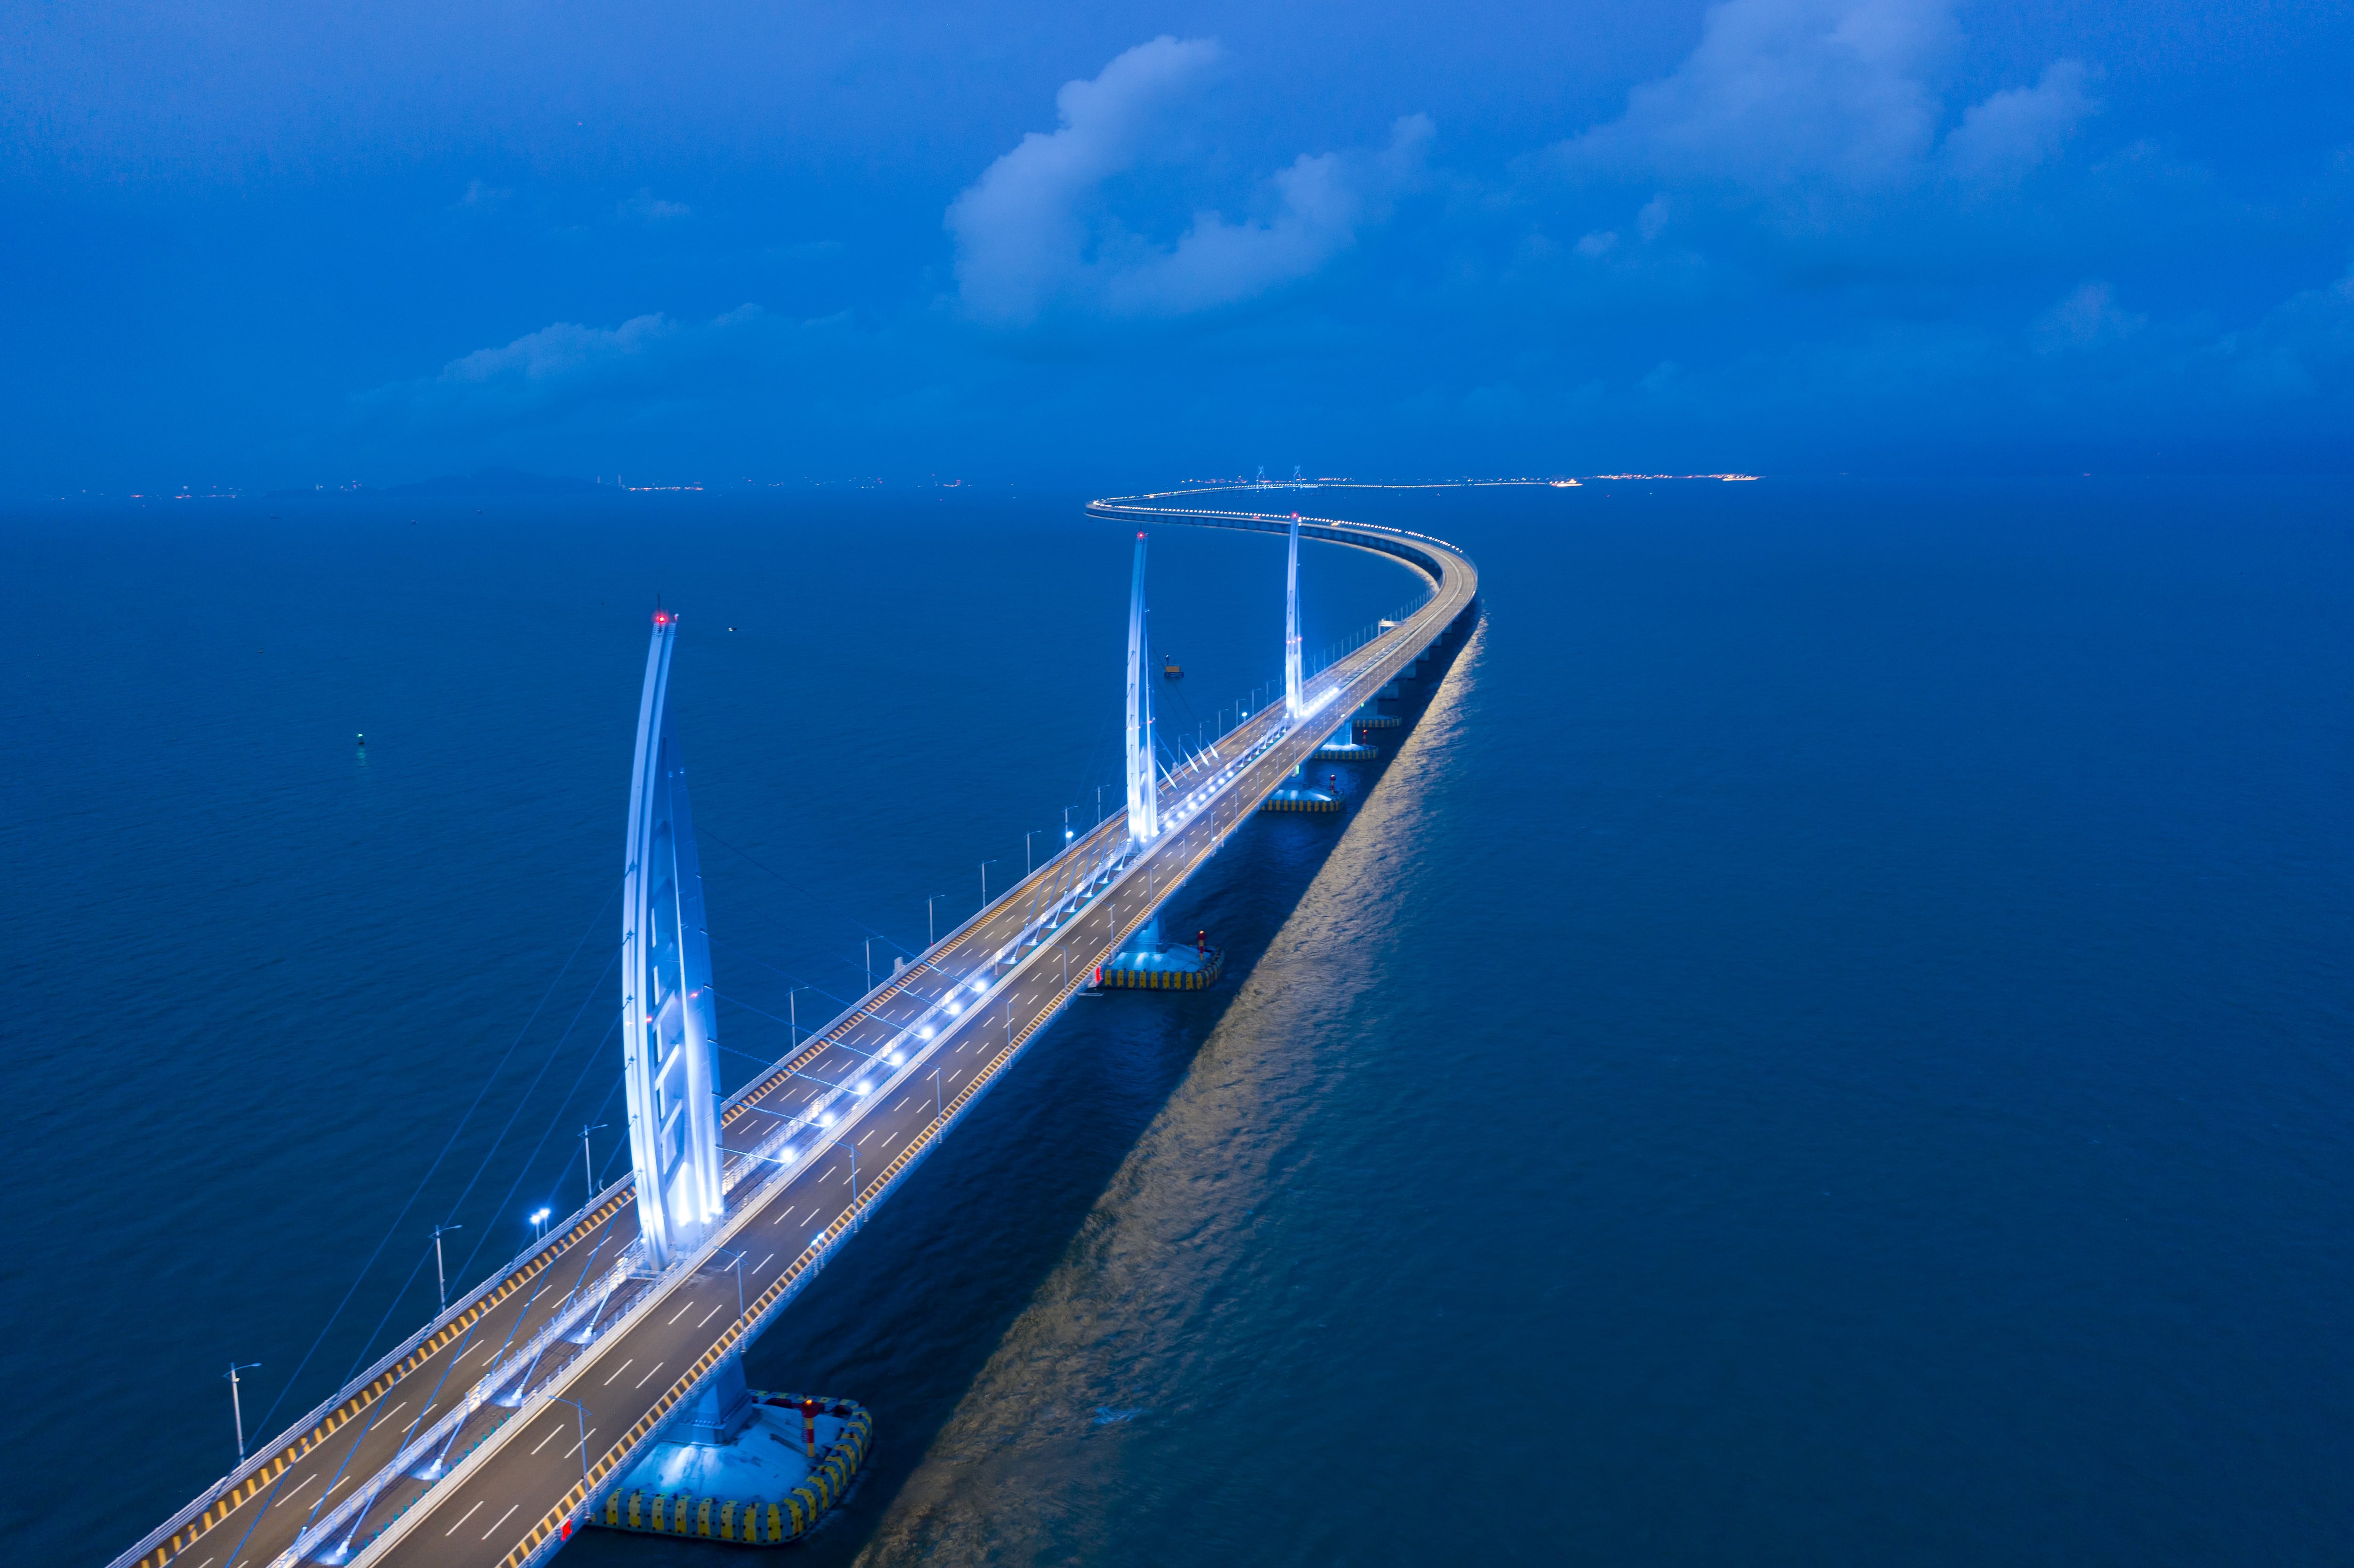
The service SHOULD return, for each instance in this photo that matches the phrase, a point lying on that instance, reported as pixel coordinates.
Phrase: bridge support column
(721, 1406)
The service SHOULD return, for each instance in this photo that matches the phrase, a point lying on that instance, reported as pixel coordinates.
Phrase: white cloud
(1034, 231)
(2084, 319)
(2303, 348)
(2020, 127)
(1784, 90)
(565, 365)
(647, 207)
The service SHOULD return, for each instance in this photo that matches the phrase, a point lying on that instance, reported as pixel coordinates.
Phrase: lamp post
(580, 1419)
(1067, 834)
(538, 1222)
(939, 1107)
(931, 932)
(738, 1266)
(870, 963)
(589, 1169)
(235, 1405)
(442, 1280)
(984, 882)
(853, 1186)
(1027, 865)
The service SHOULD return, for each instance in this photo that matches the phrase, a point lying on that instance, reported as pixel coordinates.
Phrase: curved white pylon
(1143, 774)
(1294, 697)
(669, 1039)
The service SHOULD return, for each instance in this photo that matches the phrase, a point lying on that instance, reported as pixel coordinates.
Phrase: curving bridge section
(483, 1441)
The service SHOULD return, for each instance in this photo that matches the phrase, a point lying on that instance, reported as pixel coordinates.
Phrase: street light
(1067, 834)
(442, 1280)
(931, 932)
(236, 1406)
(1027, 867)
(588, 1170)
(984, 882)
(538, 1222)
(580, 1419)
(738, 1266)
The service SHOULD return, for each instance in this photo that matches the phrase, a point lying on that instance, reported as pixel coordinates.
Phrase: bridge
(485, 1438)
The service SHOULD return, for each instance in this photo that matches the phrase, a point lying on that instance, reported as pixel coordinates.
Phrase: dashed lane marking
(464, 1517)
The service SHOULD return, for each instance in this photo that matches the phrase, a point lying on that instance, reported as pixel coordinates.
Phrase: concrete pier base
(1148, 963)
(748, 1473)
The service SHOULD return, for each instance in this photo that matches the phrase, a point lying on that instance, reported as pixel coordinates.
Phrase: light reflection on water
(1186, 1289)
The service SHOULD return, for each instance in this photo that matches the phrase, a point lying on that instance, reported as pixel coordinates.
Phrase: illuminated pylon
(1143, 776)
(1295, 696)
(670, 1037)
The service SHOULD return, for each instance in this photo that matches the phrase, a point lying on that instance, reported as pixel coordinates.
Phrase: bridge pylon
(1295, 695)
(669, 1032)
(1143, 770)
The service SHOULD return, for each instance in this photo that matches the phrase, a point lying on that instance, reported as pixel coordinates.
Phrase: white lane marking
(870, 1132)
(394, 1410)
(553, 1434)
(707, 1317)
(902, 1105)
(655, 1367)
(575, 1447)
(624, 1367)
(955, 1076)
(340, 1480)
(892, 1138)
(764, 1263)
(503, 1519)
(300, 1484)
(680, 1313)
(464, 1517)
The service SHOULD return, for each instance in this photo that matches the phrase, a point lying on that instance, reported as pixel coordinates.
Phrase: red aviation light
(661, 618)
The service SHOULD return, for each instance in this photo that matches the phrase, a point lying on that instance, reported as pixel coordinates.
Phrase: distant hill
(495, 481)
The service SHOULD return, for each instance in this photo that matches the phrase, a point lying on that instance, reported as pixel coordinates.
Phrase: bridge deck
(512, 1477)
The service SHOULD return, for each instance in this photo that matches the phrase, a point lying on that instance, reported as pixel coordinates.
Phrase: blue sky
(260, 243)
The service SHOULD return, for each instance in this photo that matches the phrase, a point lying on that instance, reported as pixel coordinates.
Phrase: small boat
(1171, 671)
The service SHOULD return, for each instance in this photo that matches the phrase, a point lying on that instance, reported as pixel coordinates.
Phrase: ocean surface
(1827, 1043)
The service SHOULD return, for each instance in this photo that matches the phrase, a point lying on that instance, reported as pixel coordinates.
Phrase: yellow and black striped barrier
(754, 1522)
(1118, 976)
(1300, 801)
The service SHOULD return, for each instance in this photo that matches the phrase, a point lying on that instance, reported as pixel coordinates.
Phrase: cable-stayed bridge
(484, 1439)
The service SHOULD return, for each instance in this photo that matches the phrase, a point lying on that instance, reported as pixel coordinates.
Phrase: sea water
(1826, 1043)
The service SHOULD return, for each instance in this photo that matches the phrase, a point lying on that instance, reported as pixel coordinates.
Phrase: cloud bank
(1037, 231)
(1801, 243)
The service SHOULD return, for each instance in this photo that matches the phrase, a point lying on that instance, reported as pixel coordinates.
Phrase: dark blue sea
(1827, 1043)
